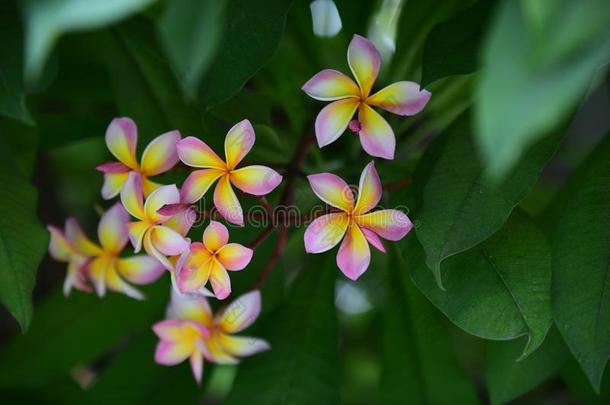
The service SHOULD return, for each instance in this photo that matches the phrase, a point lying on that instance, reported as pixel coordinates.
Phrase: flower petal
(376, 135)
(112, 229)
(329, 85)
(369, 190)
(148, 186)
(354, 254)
(332, 121)
(238, 143)
(162, 196)
(98, 270)
(256, 179)
(219, 278)
(226, 202)
(215, 236)
(196, 153)
(216, 351)
(168, 241)
(197, 184)
(402, 98)
(141, 269)
(171, 353)
(194, 271)
(373, 239)
(132, 197)
(333, 190)
(234, 256)
(113, 182)
(168, 329)
(182, 222)
(242, 346)
(79, 241)
(75, 276)
(364, 60)
(153, 251)
(112, 167)
(190, 307)
(196, 361)
(59, 246)
(121, 140)
(160, 155)
(389, 224)
(136, 231)
(241, 313)
(116, 283)
(325, 232)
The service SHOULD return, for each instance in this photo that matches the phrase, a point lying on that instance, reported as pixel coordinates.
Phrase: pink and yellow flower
(193, 332)
(158, 157)
(64, 250)
(376, 136)
(161, 235)
(353, 222)
(210, 260)
(256, 180)
(102, 262)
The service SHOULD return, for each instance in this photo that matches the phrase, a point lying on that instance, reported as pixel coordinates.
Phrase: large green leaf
(417, 354)
(73, 331)
(253, 31)
(190, 31)
(47, 20)
(23, 241)
(12, 91)
(533, 75)
(498, 290)
(302, 366)
(459, 208)
(145, 87)
(508, 378)
(452, 47)
(581, 267)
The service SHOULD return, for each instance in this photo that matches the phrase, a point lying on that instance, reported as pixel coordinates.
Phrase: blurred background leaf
(533, 76)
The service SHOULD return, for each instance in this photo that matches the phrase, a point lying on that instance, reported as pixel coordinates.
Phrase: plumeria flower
(257, 180)
(192, 332)
(158, 157)
(64, 250)
(160, 235)
(103, 264)
(353, 222)
(376, 136)
(210, 260)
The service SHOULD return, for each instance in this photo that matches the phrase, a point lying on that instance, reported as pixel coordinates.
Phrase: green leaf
(459, 207)
(417, 354)
(23, 241)
(145, 87)
(533, 77)
(498, 290)
(12, 91)
(452, 47)
(302, 366)
(190, 31)
(76, 330)
(508, 378)
(581, 267)
(47, 20)
(253, 32)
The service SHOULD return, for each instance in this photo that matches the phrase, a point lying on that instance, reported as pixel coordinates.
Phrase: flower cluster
(156, 218)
